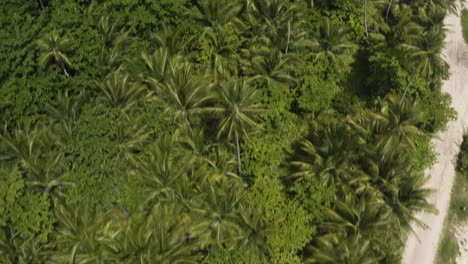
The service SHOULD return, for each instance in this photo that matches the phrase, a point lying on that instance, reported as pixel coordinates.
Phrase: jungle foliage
(217, 131)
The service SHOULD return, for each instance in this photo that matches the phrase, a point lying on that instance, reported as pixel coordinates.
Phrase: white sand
(423, 249)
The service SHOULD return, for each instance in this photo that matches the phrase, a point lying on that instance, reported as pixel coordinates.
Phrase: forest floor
(422, 247)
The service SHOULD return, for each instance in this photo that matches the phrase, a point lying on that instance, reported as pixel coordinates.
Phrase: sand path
(423, 248)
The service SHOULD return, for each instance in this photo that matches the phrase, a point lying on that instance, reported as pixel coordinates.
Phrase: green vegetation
(217, 131)
(448, 250)
(464, 22)
(458, 210)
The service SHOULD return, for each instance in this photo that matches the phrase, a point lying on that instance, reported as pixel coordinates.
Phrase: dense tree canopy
(217, 131)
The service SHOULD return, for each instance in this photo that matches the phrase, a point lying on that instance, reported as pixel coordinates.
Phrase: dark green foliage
(387, 75)
(164, 131)
(20, 31)
(437, 111)
(449, 250)
(290, 220)
(264, 158)
(314, 196)
(462, 162)
(350, 13)
(317, 87)
(22, 210)
(333, 44)
(464, 22)
(142, 18)
(31, 214)
(333, 249)
(221, 255)
(425, 154)
(21, 97)
(93, 151)
(459, 196)
(329, 154)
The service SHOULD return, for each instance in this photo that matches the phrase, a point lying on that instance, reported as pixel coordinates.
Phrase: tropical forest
(217, 131)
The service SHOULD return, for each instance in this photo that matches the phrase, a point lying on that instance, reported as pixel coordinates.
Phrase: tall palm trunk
(388, 9)
(289, 36)
(62, 65)
(42, 4)
(383, 156)
(65, 71)
(238, 152)
(365, 18)
(408, 85)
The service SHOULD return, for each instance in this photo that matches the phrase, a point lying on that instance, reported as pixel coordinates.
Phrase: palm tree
(130, 139)
(22, 250)
(157, 66)
(375, 20)
(402, 22)
(163, 237)
(389, 6)
(55, 47)
(275, 24)
(332, 249)
(182, 94)
(450, 5)
(54, 181)
(215, 14)
(120, 92)
(196, 142)
(412, 197)
(377, 24)
(401, 188)
(222, 54)
(394, 125)
(270, 65)
(365, 17)
(77, 236)
(66, 110)
(33, 250)
(252, 31)
(172, 40)
(222, 165)
(353, 215)
(278, 22)
(164, 171)
(215, 165)
(35, 151)
(431, 18)
(111, 33)
(238, 105)
(23, 146)
(424, 52)
(209, 156)
(330, 153)
(218, 214)
(110, 59)
(272, 11)
(255, 231)
(114, 38)
(332, 42)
